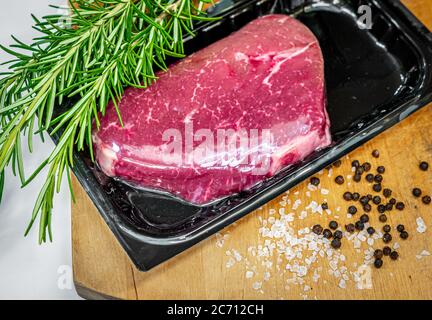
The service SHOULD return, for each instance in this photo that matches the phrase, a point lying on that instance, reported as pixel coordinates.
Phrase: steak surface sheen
(259, 91)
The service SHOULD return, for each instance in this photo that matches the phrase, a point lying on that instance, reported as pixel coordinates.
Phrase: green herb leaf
(107, 45)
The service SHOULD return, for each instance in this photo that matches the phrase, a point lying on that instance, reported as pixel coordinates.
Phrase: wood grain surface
(213, 269)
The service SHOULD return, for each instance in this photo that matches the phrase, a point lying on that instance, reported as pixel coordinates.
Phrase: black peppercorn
(366, 166)
(377, 187)
(364, 200)
(370, 177)
(389, 207)
(378, 178)
(400, 228)
(375, 154)
(356, 196)
(424, 166)
(350, 228)
(394, 255)
(355, 164)
(359, 225)
(347, 196)
(383, 218)
(392, 201)
(338, 234)
(381, 208)
(426, 200)
(416, 192)
(404, 235)
(381, 169)
(317, 229)
(386, 228)
(370, 230)
(336, 243)
(387, 237)
(376, 200)
(327, 234)
(387, 251)
(357, 178)
(387, 193)
(378, 263)
(367, 207)
(359, 170)
(340, 180)
(364, 218)
(337, 163)
(315, 181)
(324, 206)
(352, 210)
(400, 206)
(378, 254)
(333, 225)
(369, 197)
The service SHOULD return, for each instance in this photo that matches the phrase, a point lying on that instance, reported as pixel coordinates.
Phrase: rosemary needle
(108, 45)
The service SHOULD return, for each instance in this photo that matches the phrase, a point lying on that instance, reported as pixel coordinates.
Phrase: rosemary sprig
(111, 44)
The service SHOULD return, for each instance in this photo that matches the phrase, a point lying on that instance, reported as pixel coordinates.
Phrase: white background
(27, 270)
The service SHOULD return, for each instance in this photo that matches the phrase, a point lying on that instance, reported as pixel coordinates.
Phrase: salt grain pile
(300, 257)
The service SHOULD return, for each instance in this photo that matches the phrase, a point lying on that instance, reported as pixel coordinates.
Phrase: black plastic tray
(375, 78)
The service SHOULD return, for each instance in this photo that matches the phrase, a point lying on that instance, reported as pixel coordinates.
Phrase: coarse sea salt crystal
(423, 254)
(342, 284)
(325, 191)
(311, 187)
(421, 226)
(237, 255)
(296, 204)
(249, 274)
(361, 237)
(303, 215)
(357, 243)
(220, 243)
(302, 271)
(257, 285)
(231, 262)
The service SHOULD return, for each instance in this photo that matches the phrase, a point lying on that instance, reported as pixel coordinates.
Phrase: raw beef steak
(223, 119)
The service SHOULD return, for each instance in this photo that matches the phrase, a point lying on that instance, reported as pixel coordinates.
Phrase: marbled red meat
(267, 78)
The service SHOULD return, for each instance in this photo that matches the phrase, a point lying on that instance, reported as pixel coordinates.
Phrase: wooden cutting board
(210, 269)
